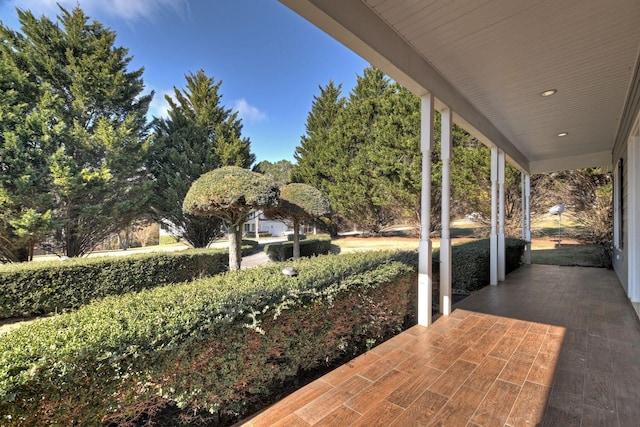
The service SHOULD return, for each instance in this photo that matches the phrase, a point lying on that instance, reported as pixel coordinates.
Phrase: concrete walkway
(256, 259)
(260, 257)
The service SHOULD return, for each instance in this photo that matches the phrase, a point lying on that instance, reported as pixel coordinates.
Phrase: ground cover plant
(208, 351)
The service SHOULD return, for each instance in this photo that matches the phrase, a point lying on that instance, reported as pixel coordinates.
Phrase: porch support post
(633, 219)
(526, 215)
(501, 218)
(445, 240)
(425, 283)
(493, 237)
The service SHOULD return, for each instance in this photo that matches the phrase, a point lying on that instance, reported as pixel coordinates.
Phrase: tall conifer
(198, 136)
(82, 133)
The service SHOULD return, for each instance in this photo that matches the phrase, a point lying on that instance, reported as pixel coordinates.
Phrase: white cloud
(159, 105)
(129, 10)
(248, 112)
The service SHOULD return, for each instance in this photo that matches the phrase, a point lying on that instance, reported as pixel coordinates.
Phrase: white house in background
(257, 221)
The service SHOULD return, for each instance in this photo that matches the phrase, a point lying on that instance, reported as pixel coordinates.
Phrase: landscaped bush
(202, 352)
(167, 239)
(29, 289)
(316, 245)
(470, 262)
(249, 246)
(301, 237)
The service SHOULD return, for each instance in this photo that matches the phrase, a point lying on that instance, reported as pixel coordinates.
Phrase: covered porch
(548, 86)
(552, 346)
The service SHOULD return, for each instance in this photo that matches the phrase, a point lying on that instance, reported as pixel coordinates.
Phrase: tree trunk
(296, 239)
(235, 247)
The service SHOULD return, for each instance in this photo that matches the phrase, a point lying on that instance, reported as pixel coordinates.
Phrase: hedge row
(291, 237)
(470, 262)
(320, 245)
(30, 289)
(201, 352)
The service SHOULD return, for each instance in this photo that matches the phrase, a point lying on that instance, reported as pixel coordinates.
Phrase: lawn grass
(568, 254)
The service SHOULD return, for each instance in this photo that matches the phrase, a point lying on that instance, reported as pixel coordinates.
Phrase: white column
(425, 283)
(445, 240)
(526, 215)
(501, 218)
(633, 220)
(493, 237)
(258, 226)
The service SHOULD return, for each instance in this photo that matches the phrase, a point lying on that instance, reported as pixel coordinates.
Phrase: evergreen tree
(198, 136)
(82, 134)
(279, 171)
(314, 162)
(25, 207)
(355, 192)
(368, 159)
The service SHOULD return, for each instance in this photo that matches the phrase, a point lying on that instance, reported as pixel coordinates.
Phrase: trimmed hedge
(470, 269)
(320, 245)
(29, 289)
(301, 237)
(208, 351)
(167, 239)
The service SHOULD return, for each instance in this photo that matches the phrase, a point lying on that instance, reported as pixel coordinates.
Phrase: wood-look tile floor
(552, 346)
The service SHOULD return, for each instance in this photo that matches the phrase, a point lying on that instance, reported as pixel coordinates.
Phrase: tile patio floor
(552, 346)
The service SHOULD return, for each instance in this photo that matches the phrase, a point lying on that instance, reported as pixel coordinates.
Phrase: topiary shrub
(231, 193)
(320, 245)
(204, 352)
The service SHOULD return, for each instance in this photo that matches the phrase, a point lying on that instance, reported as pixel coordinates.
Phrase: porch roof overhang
(489, 61)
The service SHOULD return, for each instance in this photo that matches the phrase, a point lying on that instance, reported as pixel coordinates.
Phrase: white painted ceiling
(489, 60)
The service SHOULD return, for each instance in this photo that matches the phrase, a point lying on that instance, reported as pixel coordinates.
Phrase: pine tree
(25, 207)
(84, 131)
(198, 136)
(314, 162)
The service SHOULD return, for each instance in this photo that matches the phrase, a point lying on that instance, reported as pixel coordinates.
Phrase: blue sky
(270, 60)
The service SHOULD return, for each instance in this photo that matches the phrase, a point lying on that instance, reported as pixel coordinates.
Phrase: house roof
(490, 60)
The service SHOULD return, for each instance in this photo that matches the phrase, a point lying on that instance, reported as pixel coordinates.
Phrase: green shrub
(168, 239)
(301, 237)
(29, 289)
(470, 262)
(249, 246)
(208, 350)
(318, 245)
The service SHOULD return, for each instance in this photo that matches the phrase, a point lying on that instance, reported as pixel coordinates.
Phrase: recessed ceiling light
(563, 134)
(549, 92)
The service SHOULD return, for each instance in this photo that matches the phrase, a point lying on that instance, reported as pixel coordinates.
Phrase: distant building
(263, 225)
(272, 226)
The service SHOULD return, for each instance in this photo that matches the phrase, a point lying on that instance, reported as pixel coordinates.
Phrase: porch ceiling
(490, 60)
